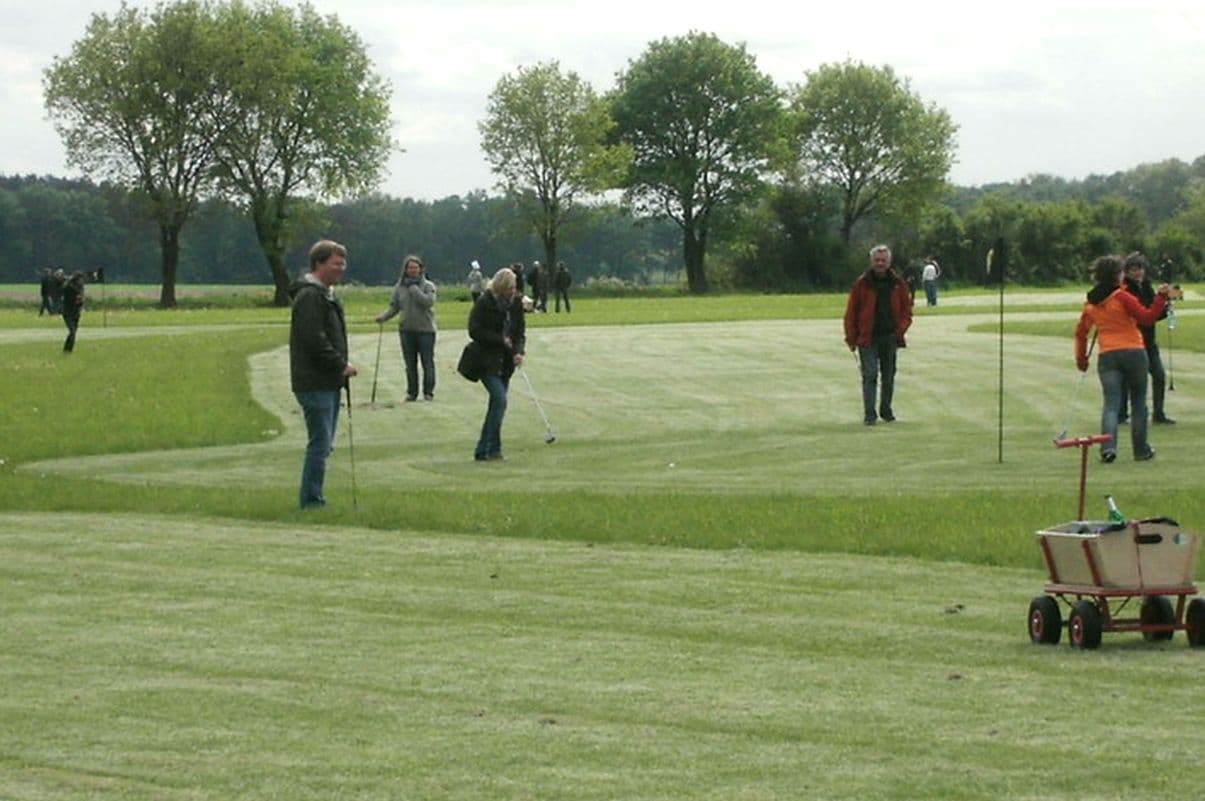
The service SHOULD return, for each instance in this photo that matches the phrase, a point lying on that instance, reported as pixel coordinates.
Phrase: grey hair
(880, 249)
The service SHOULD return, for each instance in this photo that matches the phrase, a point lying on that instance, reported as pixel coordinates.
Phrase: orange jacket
(1116, 318)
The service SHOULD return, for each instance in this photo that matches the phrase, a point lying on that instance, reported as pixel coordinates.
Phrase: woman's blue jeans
(321, 410)
(490, 443)
(1123, 371)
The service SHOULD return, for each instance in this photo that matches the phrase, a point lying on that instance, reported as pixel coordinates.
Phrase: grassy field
(716, 584)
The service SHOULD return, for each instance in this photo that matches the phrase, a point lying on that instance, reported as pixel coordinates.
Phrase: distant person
(73, 308)
(475, 280)
(414, 297)
(537, 284)
(561, 281)
(928, 277)
(499, 330)
(46, 277)
(57, 284)
(877, 315)
(318, 361)
(520, 278)
(1121, 362)
(1139, 285)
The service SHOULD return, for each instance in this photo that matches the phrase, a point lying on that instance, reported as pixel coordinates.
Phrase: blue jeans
(1121, 372)
(878, 360)
(321, 410)
(931, 292)
(490, 443)
(416, 345)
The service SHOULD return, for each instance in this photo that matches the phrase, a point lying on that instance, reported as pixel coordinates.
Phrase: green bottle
(1115, 515)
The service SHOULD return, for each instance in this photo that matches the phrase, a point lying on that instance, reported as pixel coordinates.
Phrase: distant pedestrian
(561, 281)
(414, 297)
(475, 280)
(877, 315)
(538, 281)
(1139, 285)
(520, 279)
(57, 283)
(73, 308)
(46, 277)
(318, 365)
(928, 277)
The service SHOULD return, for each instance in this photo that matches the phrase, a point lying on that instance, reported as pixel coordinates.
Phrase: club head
(549, 438)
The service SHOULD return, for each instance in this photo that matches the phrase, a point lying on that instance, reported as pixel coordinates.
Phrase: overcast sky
(1063, 87)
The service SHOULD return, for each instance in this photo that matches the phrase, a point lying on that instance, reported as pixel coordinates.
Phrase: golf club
(377, 367)
(351, 443)
(549, 437)
(1171, 328)
(1079, 386)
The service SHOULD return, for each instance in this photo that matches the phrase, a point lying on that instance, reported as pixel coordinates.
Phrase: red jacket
(860, 309)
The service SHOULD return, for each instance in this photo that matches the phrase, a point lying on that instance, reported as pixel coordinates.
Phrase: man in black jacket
(318, 363)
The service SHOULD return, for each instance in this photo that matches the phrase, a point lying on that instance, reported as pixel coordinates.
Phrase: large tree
(135, 102)
(704, 125)
(545, 136)
(309, 116)
(863, 130)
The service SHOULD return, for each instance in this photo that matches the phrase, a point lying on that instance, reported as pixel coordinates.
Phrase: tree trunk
(268, 226)
(693, 247)
(169, 245)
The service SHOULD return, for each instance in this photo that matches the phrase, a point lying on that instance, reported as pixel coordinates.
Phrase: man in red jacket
(877, 316)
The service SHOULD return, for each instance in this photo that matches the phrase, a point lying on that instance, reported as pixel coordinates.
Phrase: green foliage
(863, 130)
(545, 134)
(136, 102)
(704, 125)
(307, 115)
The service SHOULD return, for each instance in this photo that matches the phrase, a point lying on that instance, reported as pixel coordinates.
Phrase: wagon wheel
(1084, 625)
(1194, 618)
(1157, 609)
(1045, 621)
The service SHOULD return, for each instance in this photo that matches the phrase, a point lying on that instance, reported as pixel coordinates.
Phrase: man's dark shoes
(1145, 456)
(887, 417)
(1164, 420)
(1108, 457)
(869, 421)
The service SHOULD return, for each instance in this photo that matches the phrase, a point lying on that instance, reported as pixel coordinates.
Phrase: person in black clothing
(561, 281)
(1138, 284)
(73, 307)
(47, 280)
(498, 329)
(318, 361)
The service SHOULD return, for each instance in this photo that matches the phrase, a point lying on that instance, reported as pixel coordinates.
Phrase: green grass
(716, 584)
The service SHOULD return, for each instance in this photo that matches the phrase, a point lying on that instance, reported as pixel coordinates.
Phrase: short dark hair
(1137, 259)
(1106, 268)
(323, 250)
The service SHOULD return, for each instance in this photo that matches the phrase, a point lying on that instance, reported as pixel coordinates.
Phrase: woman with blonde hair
(498, 327)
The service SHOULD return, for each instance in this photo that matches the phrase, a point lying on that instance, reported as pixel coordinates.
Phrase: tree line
(789, 241)
(202, 111)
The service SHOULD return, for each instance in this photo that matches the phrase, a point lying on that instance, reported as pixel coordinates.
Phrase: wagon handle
(1083, 443)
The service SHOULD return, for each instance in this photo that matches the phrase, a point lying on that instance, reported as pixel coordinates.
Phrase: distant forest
(788, 241)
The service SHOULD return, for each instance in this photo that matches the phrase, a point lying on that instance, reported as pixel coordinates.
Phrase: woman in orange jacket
(1122, 362)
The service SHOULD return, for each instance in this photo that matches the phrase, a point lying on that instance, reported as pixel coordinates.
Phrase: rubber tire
(1084, 627)
(1157, 609)
(1045, 621)
(1194, 618)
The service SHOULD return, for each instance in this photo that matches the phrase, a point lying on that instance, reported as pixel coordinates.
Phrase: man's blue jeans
(1123, 371)
(490, 443)
(419, 345)
(878, 360)
(321, 410)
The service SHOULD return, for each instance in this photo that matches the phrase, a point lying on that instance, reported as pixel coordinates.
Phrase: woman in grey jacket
(414, 297)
